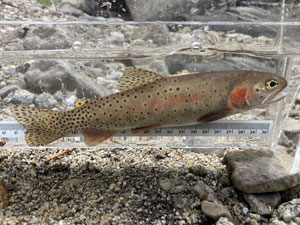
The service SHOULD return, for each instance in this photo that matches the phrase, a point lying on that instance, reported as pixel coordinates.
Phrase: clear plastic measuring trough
(92, 55)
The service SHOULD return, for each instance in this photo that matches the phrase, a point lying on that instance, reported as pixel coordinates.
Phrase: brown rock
(259, 171)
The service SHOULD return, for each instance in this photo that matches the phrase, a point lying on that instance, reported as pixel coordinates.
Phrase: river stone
(167, 10)
(152, 33)
(45, 100)
(46, 38)
(55, 75)
(214, 210)
(172, 185)
(263, 204)
(292, 126)
(259, 171)
(23, 97)
(203, 191)
(7, 89)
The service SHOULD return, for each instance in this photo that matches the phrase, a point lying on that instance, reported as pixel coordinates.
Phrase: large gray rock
(55, 75)
(259, 171)
(46, 38)
(263, 204)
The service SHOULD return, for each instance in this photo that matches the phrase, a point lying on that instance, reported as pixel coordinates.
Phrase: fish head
(256, 89)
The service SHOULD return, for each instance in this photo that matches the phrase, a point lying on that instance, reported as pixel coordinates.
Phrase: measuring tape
(235, 128)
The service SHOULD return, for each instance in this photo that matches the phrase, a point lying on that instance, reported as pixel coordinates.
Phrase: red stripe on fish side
(177, 100)
(238, 98)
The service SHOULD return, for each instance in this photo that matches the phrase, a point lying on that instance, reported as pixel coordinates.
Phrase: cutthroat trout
(148, 100)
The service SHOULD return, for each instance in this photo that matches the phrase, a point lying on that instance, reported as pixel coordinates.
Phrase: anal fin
(94, 137)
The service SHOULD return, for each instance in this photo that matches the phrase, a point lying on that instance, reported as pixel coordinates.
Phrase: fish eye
(271, 84)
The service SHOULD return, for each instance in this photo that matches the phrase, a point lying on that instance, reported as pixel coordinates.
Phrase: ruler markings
(252, 128)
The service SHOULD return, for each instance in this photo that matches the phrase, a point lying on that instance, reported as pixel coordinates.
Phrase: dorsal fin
(135, 77)
(80, 103)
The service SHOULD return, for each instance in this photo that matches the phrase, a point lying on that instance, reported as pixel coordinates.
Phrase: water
(64, 67)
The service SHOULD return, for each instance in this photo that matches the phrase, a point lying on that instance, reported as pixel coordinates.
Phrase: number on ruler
(229, 131)
(158, 131)
(169, 131)
(217, 131)
(181, 131)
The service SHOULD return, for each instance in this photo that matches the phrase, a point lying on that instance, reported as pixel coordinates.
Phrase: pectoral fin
(93, 137)
(135, 77)
(212, 116)
(142, 129)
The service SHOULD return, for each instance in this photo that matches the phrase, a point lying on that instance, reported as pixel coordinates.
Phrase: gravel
(106, 186)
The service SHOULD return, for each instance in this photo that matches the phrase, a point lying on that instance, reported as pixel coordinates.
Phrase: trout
(147, 100)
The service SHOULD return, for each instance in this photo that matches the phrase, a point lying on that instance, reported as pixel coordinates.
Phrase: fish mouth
(277, 97)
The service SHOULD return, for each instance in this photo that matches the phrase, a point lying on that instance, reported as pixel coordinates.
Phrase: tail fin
(39, 124)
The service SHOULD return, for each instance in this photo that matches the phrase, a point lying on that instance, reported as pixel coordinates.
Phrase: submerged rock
(55, 75)
(263, 204)
(23, 97)
(45, 100)
(167, 10)
(259, 171)
(46, 37)
(292, 126)
(7, 89)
